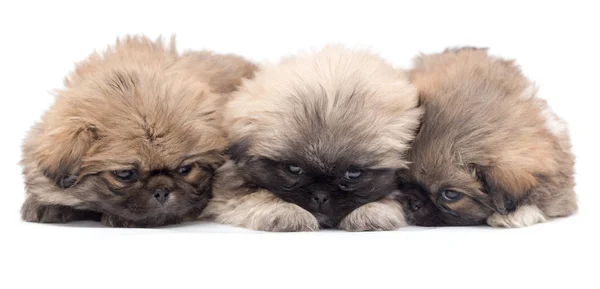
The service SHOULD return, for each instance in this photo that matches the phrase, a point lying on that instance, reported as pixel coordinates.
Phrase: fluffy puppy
(488, 151)
(314, 138)
(133, 139)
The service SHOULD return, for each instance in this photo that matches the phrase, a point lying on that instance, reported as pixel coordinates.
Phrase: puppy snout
(320, 198)
(162, 194)
(415, 205)
(510, 206)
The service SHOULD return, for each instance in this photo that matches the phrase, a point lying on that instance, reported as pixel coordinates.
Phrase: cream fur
(259, 210)
(524, 216)
(263, 211)
(321, 81)
(361, 104)
(383, 215)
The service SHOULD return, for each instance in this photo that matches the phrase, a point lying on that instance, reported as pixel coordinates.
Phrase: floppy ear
(505, 186)
(62, 146)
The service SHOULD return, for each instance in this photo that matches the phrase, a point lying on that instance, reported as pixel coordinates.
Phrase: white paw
(285, 217)
(384, 215)
(260, 210)
(524, 216)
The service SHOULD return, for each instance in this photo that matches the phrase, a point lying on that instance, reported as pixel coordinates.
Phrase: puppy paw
(262, 211)
(286, 218)
(524, 216)
(384, 215)
(32, 211)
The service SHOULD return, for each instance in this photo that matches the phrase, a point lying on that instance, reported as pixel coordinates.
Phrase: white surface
(555, 44)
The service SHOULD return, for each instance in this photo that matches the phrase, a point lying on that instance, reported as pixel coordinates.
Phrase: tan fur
(276, 110)
(483, 114)
(138, 103)
(224, 73)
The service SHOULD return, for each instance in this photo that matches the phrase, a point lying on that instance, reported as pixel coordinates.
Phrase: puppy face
(136, 134)
(450, 198)
(325, 131)
(483, 145)
(142, 182)
(329, 193)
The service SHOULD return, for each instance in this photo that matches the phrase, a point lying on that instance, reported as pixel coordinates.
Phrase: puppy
(316, 140)
(133, 139)
(488, 150)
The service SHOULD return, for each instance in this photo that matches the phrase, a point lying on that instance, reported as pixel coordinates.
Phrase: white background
(556, 45)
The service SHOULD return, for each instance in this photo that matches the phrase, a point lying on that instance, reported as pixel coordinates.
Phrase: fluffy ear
(224, 72)
(505, 186)
(62, 147)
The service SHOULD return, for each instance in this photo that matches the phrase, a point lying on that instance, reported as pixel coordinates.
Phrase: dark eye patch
(352, 179)
(272, 174)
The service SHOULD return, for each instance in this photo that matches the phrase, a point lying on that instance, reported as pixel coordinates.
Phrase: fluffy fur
(489, 150)
(134, 137)
(313, 138)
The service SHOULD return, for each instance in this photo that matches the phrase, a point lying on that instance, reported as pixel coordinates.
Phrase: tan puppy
(314, 138)
(488, 151)
(133, 139)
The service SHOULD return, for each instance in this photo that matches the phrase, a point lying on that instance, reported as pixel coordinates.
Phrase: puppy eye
(296, 170)
(124, 175)
(184, 170)
(450, 196)
(353, 174)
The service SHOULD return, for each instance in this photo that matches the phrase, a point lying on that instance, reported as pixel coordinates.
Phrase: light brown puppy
(488, 150)
(315, 142)
(134, 137)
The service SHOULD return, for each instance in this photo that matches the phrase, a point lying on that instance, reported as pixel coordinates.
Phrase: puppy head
(482, 145)
(325, 130)
(134, 133)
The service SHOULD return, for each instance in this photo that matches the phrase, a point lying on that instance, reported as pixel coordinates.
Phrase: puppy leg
(383, 215)
(524, 216)
(263, 211)
(35, 211)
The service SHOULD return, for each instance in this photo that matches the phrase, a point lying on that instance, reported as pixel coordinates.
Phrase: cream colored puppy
(315, 142)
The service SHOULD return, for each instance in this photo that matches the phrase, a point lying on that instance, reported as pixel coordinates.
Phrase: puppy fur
(313, 138)
(488, 150)
(134, 137)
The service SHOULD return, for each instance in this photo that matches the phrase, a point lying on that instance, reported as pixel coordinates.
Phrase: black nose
(161, 194)
(320, 198)
(510, 205)
(415, 205)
